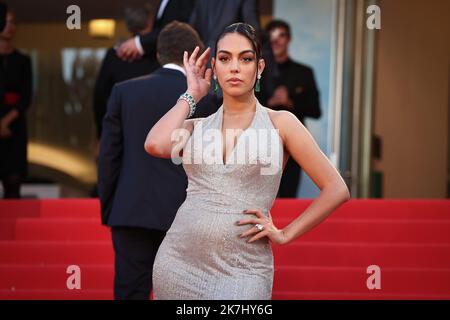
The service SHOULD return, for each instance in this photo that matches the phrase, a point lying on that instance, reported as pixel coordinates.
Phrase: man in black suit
(141, 194)
(295, 91)
(115, 70)
(210, 18)
(168, 11)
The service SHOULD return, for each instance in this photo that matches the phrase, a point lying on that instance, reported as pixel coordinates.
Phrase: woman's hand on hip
(262, 227)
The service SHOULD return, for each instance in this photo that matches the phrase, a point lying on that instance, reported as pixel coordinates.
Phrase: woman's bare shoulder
(279, 115)
(283, 120)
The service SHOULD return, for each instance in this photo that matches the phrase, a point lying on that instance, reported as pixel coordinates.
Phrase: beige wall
(412, 97)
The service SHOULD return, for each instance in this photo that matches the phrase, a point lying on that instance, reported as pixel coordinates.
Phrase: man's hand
(281, 98)
(128, 51)
(5, 132)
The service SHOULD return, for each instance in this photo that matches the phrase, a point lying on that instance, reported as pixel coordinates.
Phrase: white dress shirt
(174, 66)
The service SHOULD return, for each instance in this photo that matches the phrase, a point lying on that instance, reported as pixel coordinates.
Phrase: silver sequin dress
(202, 256)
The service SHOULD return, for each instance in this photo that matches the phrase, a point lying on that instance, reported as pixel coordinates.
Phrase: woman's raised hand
(198, 77)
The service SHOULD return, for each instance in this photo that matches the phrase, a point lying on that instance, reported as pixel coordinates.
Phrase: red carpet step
(408, 239)
(287, 279)
(300, 253)
(332, 229)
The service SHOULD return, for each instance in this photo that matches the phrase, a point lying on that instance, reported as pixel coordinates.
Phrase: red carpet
(408, 239)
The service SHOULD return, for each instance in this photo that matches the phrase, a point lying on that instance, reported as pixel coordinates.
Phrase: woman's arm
(159, 141)
(301, 146)
(304, 150)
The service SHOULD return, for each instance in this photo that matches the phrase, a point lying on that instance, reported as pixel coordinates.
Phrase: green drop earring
(216, 84)
(258, 85)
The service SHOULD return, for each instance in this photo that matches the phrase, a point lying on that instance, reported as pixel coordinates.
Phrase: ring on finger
(259, 226)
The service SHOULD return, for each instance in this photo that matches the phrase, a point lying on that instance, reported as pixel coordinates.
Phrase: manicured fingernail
(237, 222)
(244, 210)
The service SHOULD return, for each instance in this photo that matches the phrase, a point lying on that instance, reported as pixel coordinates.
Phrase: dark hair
(274, 24)
(137, 18)
(247, 31)
(174, 39)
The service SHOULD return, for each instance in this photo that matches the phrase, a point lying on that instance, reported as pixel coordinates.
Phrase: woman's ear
(261, 66)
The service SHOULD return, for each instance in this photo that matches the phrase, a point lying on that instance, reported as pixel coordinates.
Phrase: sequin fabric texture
(202, 256)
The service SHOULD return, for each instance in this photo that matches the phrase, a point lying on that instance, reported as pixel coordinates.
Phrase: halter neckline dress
(202, 256)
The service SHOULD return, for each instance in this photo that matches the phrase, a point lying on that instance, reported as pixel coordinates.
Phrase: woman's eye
(246, 59)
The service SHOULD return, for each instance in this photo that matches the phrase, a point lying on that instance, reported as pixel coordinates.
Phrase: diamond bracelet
(190, 100)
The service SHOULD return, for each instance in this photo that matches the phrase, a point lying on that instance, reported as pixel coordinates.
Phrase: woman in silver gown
(219, 245)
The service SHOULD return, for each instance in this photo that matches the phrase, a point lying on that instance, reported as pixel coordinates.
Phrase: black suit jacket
(179, 10)
(135, 188)
(209, 18)
(302, 89)
(112, 71)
